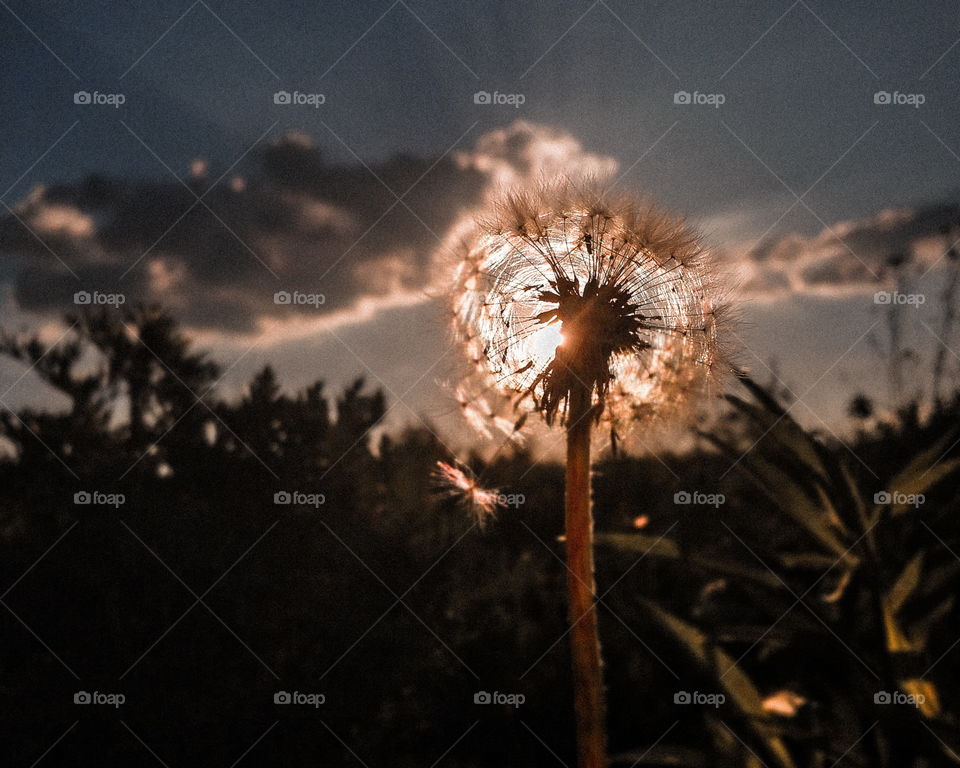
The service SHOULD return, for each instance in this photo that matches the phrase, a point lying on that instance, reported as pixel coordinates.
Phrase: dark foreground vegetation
(788, 613)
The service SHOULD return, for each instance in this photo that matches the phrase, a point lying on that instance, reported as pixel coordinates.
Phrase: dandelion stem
(581, 588)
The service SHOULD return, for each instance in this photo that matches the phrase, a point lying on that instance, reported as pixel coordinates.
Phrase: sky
(211, 154)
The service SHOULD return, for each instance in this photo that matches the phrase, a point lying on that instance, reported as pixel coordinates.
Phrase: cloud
(851, 256)
(525, 151)
(292, 221)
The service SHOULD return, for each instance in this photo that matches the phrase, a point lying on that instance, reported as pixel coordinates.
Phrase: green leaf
(642, 543)
(714, 661)
(905, 584)
(761, 395)
(811, 561)
(856, 495)
(795, 502)
(790, 497)
(668, 548)
(662, 754)
(924, 471)
(920, 629)
(781, 427)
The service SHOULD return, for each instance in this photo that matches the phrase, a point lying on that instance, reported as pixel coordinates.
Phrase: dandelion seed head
(565, 287)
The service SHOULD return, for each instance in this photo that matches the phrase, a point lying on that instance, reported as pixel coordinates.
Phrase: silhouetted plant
(584, 306)
(858, 569)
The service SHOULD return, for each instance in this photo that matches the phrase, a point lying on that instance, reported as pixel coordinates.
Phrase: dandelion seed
(509, 429)
(476, 419)
(458, 482)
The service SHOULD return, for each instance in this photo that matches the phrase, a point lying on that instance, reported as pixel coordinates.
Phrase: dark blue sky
(798, 95)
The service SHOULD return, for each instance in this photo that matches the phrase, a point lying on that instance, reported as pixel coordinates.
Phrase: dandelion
(586, 307)
(566, 290)
(459, 483)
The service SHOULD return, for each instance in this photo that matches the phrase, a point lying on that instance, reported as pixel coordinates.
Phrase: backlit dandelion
(583, 307)
(565, 290)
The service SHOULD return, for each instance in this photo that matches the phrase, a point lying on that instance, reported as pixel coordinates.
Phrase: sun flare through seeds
(566, 288)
